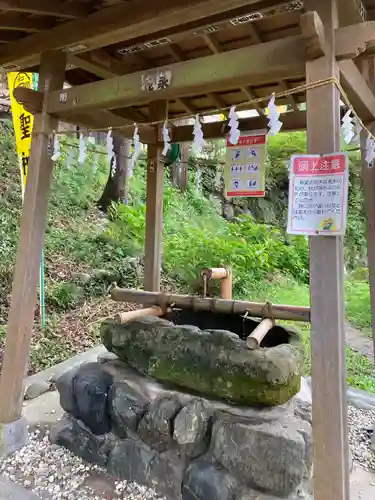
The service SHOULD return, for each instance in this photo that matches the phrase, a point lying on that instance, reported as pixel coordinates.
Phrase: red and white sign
(318, 194)
(244, 168)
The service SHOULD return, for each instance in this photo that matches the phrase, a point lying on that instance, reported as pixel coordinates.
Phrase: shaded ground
(359, 341)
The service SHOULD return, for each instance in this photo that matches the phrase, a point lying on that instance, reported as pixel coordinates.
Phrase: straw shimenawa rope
(246, 104)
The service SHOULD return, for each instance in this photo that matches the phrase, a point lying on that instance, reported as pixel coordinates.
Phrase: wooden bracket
(313, 31)
(354, 40)
(32, 100)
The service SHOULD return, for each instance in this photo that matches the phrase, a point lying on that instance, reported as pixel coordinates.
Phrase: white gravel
(361, 427)
(54, 473)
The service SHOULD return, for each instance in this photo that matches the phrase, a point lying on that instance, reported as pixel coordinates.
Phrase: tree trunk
(179, 171)
(116, 187)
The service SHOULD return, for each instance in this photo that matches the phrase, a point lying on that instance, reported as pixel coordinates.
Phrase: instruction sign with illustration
(318, 194)
(244, 166)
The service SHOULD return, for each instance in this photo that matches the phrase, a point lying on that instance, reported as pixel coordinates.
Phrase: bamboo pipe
(124, 317)
(240, 307)
(255, 338)
(224, 274)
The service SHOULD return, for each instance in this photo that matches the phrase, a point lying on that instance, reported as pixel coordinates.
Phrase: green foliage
(267, 264)
(63, 296)
(195, 236)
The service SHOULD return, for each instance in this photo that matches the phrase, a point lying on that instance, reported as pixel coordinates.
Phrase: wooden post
(330, 429)
(368, 176)
(26, 274)
(154, 208)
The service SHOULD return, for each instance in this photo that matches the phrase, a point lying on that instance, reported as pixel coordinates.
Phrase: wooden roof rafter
(55, 8)
(130, 21)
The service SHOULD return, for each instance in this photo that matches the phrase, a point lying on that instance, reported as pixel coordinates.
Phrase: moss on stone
(216, 364)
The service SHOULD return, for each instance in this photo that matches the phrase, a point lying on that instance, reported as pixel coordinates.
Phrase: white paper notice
(318, 194)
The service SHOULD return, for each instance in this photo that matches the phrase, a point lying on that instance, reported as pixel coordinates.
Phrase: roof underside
(254, 23)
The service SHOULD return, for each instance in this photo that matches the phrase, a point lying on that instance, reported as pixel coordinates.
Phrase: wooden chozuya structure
(140, 61)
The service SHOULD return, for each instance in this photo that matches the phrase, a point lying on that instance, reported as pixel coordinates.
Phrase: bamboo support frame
(239, 307)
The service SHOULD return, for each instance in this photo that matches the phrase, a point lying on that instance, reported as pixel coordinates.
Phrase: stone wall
(185, 447)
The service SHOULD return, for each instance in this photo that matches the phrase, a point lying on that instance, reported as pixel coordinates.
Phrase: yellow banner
(22, 121)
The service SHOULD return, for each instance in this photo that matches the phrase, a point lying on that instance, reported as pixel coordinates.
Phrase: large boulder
(126, 408)
(156, 426)
(76, 437)
(213, 363)
(84, 392)
(270, 457)
(207, 481)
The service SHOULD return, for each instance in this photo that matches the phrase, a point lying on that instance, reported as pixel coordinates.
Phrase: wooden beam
(47, 7)
(358, 91)
(177, 53)
(292, 121)
(27, 24)
(329, 405)
(255, 35)
(9, 36)
(119, 23)
(368, 176)
(272, 60)
(351, 41)
(26, 274)
(100, 63)
(250, 95)
(33, 103)
(154, 204)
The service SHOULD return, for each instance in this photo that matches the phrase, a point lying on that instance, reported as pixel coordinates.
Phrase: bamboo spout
(124, 317)
(224, 274)
(255, 338)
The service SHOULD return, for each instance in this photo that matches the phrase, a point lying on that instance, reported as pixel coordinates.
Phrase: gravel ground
(54, 473)
(361, 428)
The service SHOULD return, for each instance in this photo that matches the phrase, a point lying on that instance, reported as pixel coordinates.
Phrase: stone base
(183, 446)
(13, 436)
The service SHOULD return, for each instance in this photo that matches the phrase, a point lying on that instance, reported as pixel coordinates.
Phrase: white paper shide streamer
(56, 148)
(110, 153)
(234, 132)
(137, 149)
(370, 151)
(347, 127)
(82, 149)
(166, 139)
(274, 124)
(198, 143)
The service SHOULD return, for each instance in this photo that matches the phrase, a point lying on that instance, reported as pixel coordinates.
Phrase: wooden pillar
(367, 68)
(154, 208)
(368, 176)
(330, 431)
(26, 274)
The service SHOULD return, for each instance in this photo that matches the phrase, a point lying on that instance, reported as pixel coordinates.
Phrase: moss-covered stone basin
(214, 363)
